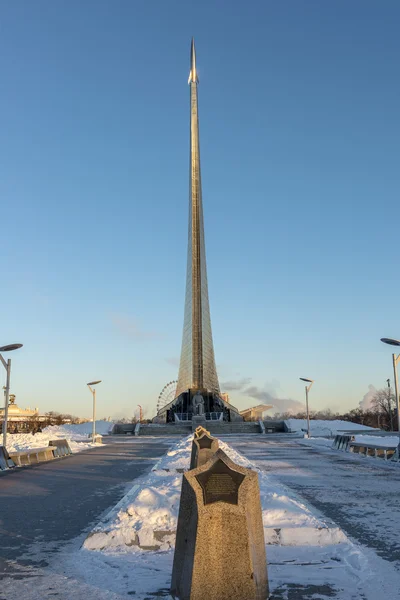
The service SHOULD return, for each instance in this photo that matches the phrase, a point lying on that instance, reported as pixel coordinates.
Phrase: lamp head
(10, 347)
(389, 341)
(306, 379)
(94, 382)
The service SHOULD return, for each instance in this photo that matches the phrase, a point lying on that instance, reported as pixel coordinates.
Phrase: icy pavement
(324, 483)
(361, 494)
(44, 506)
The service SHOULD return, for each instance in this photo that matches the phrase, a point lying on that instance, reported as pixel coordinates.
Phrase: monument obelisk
(197, 370)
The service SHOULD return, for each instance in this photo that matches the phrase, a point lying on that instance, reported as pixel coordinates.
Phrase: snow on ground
(335, 570)
(305, 552)
(77, 436)
(147, 516)
(342, 571)
(102, 427)
(374, 440)
(323, 428)
(320, 441)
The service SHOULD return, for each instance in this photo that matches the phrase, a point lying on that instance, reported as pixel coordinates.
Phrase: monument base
(198, 420)
(181, 408)
(220, 547)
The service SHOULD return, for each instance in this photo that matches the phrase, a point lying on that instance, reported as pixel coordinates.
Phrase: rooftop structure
(15, 413)
(255, 413)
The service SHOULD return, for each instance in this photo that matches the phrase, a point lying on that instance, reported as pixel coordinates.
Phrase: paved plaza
(54, 502)
(360, 494)
(48, 509)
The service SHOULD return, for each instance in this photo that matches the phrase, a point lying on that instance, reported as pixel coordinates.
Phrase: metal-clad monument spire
(197, 370)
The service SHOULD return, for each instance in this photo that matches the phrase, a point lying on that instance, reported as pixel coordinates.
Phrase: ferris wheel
(167, 394)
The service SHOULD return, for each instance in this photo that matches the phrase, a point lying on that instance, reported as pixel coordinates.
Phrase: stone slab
(203, 448)
(198, 420)
(200, 430)
(5, 461)
(63, 448)
(220, 547)
(32, 455)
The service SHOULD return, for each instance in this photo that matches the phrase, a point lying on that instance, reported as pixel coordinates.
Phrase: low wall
(347, 443)
(31, 456)
(62, 447)
(5, 461)
(122, 428)
(275, 426)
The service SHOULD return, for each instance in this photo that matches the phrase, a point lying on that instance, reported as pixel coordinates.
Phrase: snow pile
(340, 572)
(102, 428)
(77, 436)
(369, 440)
(374, 440)
(323, 428)
(176, 459)
(146, 517)
(320, 441)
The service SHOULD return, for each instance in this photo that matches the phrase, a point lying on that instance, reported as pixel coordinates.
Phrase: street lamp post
(93, 390)
(140, 413)
(308, 388)
(389, 405)
(396, 359)
(7, 366)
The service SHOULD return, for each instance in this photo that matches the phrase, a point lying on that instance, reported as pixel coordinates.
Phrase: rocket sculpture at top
(197, 370)
(193, 73)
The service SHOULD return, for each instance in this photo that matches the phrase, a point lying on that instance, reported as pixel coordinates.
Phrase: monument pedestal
(220, 547)
(198, 420)
(203, 448)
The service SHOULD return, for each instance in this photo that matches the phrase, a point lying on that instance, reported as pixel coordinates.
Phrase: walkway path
(360, 494)
(46, 510)
(57, 501)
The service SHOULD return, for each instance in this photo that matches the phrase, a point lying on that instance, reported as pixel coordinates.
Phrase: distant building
(255, 413)
(20, 419)
(225, 397)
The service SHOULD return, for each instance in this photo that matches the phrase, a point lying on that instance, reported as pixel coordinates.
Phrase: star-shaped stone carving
(220, 483)
(205, 441)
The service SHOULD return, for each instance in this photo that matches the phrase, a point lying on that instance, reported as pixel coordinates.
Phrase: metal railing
(209, 416)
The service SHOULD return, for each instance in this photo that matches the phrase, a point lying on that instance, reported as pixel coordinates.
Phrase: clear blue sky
(299, 125)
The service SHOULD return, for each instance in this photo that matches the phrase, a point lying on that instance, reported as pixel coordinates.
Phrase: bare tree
(56, 418)
(384, 403)
(381, 415)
